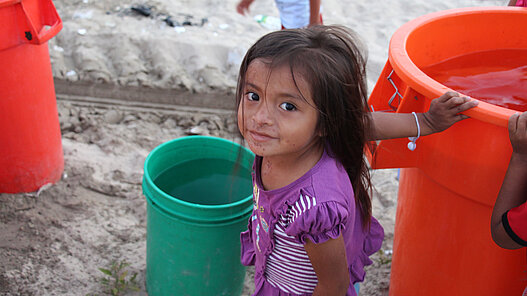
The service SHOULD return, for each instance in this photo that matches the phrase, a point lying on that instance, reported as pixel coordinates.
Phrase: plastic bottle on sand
(268, 21)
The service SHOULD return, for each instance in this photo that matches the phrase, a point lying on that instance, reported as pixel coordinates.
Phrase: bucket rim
(417, 79)
(150, 183)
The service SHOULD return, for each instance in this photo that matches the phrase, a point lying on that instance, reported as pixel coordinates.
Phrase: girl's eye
(253, 96)
(288, 106)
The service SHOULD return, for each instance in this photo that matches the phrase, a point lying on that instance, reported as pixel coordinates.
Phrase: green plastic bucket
(198, 192)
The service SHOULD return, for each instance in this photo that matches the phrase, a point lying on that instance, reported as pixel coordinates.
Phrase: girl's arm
(330, 265)
(513, 190)
(443, 113)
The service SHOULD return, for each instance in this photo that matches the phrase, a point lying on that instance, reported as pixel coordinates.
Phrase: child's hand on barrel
(518, 134)
(445, 111)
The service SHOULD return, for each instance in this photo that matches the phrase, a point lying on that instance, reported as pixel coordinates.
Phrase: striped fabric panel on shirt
(288, 266)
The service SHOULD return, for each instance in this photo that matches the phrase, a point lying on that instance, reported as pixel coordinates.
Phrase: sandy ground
(127, 83)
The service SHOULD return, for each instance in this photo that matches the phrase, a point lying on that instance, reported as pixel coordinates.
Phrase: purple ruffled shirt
(319, 206)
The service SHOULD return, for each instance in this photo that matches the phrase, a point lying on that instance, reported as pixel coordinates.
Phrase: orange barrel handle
(5, 3)
(27, 21)
(391, 94)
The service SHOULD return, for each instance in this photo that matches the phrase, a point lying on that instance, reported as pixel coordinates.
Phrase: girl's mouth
(260, 137)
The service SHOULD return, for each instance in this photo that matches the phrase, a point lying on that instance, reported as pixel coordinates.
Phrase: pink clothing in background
(522, 3)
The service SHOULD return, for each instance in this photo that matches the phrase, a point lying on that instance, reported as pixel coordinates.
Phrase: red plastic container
(442, 243)
(30, 140)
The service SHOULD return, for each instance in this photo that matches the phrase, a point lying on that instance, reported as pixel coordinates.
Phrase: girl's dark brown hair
(329, 58)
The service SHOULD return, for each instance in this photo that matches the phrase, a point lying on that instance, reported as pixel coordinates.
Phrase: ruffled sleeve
(318, 223)
(248, 255)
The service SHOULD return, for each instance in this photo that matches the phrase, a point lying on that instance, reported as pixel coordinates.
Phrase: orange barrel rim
(408, 71)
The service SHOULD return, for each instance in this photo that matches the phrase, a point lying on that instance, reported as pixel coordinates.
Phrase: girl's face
(273, 117)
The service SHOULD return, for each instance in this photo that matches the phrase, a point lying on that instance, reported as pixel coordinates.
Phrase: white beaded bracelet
(412, 144)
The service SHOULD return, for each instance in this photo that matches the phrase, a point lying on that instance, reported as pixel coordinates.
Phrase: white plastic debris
(198, 130)
(83, 14)
(58, 48)
(179, 29)
(82, 31)
(43, 188)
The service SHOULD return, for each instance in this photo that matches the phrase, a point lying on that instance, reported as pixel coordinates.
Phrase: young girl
(302, 110)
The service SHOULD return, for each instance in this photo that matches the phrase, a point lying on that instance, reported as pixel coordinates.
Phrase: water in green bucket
(206, 181)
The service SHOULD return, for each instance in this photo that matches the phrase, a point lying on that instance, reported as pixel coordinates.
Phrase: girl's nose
(262, 115)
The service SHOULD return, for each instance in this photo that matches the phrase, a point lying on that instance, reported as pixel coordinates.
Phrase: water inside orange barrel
(497, 77)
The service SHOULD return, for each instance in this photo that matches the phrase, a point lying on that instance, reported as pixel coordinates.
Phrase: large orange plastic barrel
(442, 242)
(30, 141)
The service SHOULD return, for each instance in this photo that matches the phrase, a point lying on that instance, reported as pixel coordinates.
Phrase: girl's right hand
(445, 111)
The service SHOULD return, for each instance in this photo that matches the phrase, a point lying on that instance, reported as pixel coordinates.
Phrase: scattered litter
(223, 26)
(82, 31)
(171, 22)
(187, 21)
(86, 14)
(58, 48)
(71, 73)
(85, 1)
(181, 19)
(110, 24)
(142, 10)
(43, 188)
(198, 130)
(268, 22)
(179, 29)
